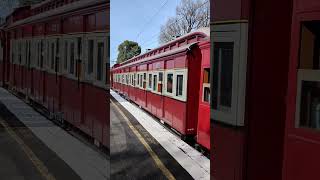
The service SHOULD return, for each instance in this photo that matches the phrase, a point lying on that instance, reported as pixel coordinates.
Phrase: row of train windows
(154, 82)
(65, 55)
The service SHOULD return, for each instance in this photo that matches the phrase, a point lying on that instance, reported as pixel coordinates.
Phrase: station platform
(32, 147)
(142, 148)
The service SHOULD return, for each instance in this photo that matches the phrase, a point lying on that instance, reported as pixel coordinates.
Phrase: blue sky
(139, 21)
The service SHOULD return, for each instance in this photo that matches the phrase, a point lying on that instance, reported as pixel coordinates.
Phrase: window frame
(184, 73)
(166, 93)
(238, 35)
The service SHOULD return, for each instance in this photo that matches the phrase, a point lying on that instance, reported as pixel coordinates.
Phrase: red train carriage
(266, 114)
(56, 56)
(166, 82)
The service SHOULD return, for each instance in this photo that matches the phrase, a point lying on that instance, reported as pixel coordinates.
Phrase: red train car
(167, 83)
(266, 115)
(56, 55)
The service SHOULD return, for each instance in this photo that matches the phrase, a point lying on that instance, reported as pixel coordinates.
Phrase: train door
(302, 137)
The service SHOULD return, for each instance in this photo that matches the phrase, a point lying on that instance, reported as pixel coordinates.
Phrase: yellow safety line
(34, 159)
(154, 156)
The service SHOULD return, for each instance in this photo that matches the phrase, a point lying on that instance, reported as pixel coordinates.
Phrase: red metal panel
(71, 105)
(102, 20)
(73, 24)
(38, 29)
(203, 126)
(227, 157)
(53, 27)
(306, 5)
(302, 145)
(95, 110)
(225, 10)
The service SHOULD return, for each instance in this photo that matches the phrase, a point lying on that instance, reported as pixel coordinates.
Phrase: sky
(5, 9)
(139, 21)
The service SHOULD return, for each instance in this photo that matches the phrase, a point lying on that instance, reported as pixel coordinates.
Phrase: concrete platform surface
(56, 144)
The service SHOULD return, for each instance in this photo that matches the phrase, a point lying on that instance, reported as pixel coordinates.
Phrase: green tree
(127, 50)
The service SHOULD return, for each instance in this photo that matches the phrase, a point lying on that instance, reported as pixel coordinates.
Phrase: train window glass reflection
(155, 82)
(223, 71)
(90, 56)
(100, 61)
(310, 46)
(179, 87)
(160, 82)
(19, 53)
(41, 53)
(169, 82)
(65, 55)
(144, 80)
(160, 76)
(310, 105)
(57, 60)
(150, 81)
(29, 55)
(71, 68)
(206, 85)
(52, 56)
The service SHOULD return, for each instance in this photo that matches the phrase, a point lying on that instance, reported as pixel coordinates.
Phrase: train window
(134, 79)
(169, 82)
(57, 60)
(79, 55)
(155, 82)
(308, 93)
(144, 80)
(223, 68)
(29, 55)
(100, 61)
(141, 80)
(41, 53)
(20, 52)
(25, 53)
(65, 55)
(38, 53)
(206, 85)
(160, 76)
(127, 79)
(179, 87)
(52, 56)
(47, 52)
(138, 80)
(90, 56)
(150, 81)
(72, 58)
